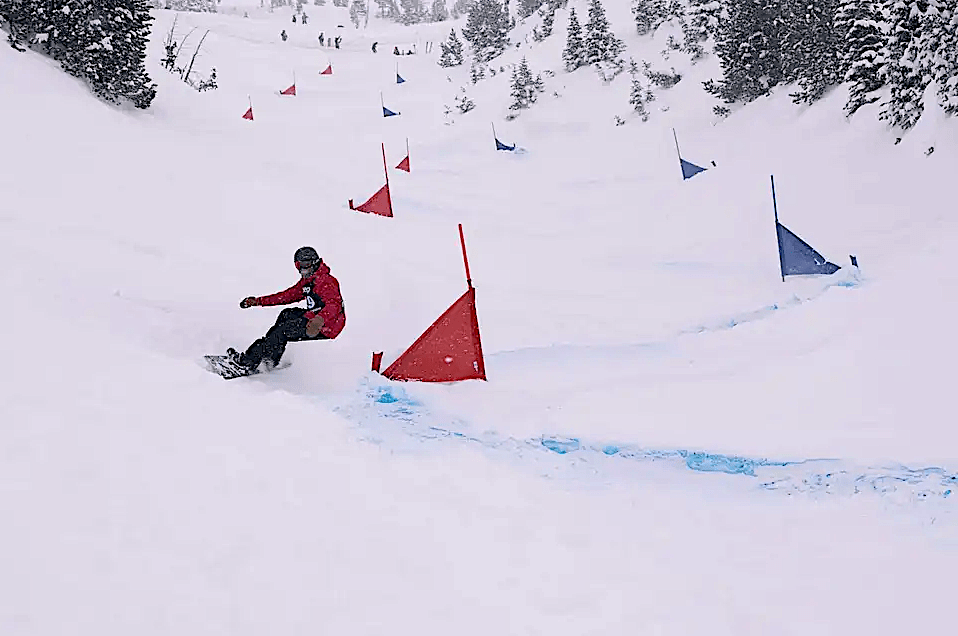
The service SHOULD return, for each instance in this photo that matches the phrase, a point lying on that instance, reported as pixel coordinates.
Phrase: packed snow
(671, 440)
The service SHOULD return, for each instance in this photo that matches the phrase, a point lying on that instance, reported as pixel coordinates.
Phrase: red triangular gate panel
(449, 351)
(404, 164)
(380, 203)
(289, 91)
(249, 114)
(328, 71)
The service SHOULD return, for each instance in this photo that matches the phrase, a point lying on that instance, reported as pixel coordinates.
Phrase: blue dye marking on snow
(709, 463)
(561, 446)
(395, 411)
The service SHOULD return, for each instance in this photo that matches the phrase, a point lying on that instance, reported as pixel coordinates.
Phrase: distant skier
(396, 51)
(305, 17)
(338, 40)
(375, 44)
(322, 39)
(323, 318)
(283, 35)
(294, 18)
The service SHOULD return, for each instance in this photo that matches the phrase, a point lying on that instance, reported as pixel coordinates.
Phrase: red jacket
(321, 292)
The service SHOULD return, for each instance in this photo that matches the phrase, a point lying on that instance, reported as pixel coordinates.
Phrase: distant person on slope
(283, 35)
(375, 44)
(322, 39)
(323, 318)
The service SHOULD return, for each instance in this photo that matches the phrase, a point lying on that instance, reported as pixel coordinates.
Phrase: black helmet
(306, 258)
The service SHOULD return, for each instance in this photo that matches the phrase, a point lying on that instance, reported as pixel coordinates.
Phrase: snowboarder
(323, 318)
(322, 39)
(283, 35)
(338, 40)
(375, 44)
(396, 50)
(305, 17)
(294, 18)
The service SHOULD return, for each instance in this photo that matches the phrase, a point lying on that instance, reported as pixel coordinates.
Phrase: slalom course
(450, 350)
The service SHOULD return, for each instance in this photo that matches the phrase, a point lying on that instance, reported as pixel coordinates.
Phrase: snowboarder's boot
(236, 358)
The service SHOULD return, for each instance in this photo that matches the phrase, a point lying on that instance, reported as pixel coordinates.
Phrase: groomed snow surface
(671, 441)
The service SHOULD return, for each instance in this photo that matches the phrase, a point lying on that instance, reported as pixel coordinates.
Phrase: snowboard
(229, 370)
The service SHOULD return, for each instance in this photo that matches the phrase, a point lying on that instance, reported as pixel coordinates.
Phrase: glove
(249, 301)
(314, 326)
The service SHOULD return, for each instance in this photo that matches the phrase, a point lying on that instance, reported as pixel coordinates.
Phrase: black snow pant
(290, 326)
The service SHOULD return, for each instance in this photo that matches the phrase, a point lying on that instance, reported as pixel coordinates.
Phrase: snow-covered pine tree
(649, 15)
(413, 11)
(461, 8)
(749, 51)
(357, 12)
(861, 24)
(525, 86)
(103, 43)
(945, 65)
(574, 53)
(438, 11)
(600, 44)
(487, 30)
(814, 48)
(388, 9)
(528, 7)
(703, 19)
(902, 71)
(451, 51)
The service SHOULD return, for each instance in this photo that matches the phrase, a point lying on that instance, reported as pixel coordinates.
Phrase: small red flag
(404, 164)
(249, 114)
(289, 91)
(328, 71)
(449, 351)
(380, 203)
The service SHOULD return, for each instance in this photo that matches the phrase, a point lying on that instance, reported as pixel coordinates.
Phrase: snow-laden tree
(413, 11)
(438, 11)
(862, 25)
(103, 43)
(525, 86)
(902, 71)
(600, 43)
(814, 48)
(574, 54)
(749, 49)
(487, 30)
(649, 15)
(945, 63)
(451, 51)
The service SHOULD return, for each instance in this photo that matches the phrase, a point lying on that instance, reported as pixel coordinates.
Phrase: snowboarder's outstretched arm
(292, 295)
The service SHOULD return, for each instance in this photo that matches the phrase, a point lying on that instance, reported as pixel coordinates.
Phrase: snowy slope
(145, 495)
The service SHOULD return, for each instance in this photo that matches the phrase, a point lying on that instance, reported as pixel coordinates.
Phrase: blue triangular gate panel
(502, 146)
(798, 257)
(399, 79)
(388, 113)
(689, 169)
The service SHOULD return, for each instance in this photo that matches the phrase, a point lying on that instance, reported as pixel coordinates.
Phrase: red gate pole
(465, 259)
